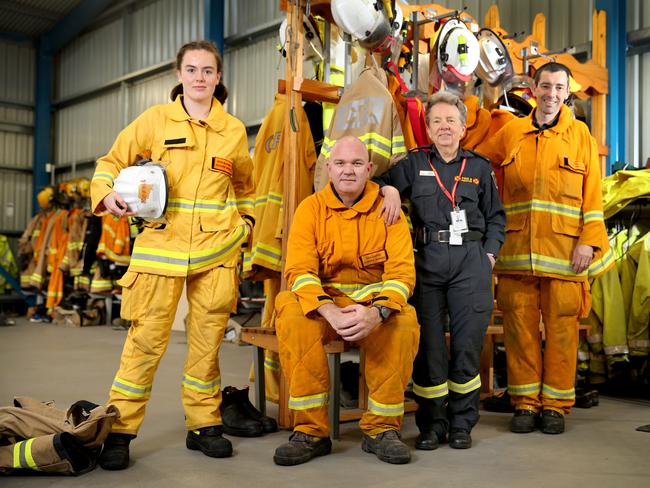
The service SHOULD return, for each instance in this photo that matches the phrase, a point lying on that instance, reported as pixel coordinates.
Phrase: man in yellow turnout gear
(350, 275)
(208, 218)
(555, 241)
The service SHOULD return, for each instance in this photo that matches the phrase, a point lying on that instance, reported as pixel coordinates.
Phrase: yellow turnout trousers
(389, 353)
(150, 301)
(539, 380)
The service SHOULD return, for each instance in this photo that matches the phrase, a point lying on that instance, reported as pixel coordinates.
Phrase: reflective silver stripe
(271, 364)
(550, 392)
(305, 280)
(131, 389)
(159, 259)
(583, 356)
(611, 350)
(593, 215)
(194, 260)
(436, 391)
(463, 388)
(385, 409)
(307, 402)
(201, 386)
(524, 389)
(595, 338)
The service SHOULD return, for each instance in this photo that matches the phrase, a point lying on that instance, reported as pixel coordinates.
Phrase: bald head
(349, 168)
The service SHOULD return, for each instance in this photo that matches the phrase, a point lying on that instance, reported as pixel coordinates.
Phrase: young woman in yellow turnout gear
(208, 218)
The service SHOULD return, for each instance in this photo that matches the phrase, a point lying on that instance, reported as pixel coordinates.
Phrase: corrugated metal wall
(251, 74)
(638, 89)
(141, 38)
(248, 15)
(17, 65)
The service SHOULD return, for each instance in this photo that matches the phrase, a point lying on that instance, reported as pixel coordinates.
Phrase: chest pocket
(571, 174)
(173, 147)
(468, 192)
(512, 177)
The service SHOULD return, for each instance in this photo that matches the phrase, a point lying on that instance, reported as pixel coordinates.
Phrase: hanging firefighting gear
(477, 124)
(7, 262)
(346, 255)
(39, 437)
(211, 195)
(366, 110)
(623, 187)
(551, 194)
(268, 165)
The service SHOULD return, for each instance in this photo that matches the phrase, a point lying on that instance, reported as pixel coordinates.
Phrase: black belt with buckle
(424, 235)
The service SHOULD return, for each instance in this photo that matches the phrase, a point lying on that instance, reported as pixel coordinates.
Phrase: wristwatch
(384, 312)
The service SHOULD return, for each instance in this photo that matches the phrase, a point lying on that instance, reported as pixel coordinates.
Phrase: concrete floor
(600, 448)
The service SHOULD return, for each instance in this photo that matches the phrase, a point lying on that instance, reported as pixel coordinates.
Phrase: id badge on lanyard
(457, 215)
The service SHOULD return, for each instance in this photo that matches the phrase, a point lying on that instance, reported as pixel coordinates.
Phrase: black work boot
(236, 420)
(388, 447)
(552, 422)
(427, 441)
(115, 454)
(268, 424)
(301, 448)
(460, 439)
(209, 441)
(523, 421)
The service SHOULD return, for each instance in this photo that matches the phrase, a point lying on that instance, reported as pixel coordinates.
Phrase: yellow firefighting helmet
(458, 52)
(144, 189)
(365, 20)
(45, 197)
(83, 187)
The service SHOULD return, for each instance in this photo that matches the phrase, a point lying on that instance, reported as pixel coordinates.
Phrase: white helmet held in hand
(144, 189)
(458, 52)
(364, 20)
(494, 65)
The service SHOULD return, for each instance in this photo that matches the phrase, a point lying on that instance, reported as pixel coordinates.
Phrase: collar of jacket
(564, 121)
(362, 205)
(462, 153)
(215, 120)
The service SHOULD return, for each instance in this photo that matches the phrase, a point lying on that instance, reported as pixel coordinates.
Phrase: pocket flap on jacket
(128, 279)
(572, 165)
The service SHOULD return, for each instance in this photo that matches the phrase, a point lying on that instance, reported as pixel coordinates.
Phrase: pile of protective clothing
(39, 438)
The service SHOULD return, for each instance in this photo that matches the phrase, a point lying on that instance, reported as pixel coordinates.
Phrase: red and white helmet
(458, 52)
(494, 64)
(365, 20)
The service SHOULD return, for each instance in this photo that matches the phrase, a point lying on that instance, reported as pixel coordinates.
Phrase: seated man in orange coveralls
(350, 275)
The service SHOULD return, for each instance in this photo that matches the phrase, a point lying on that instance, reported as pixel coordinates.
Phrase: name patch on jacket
(171, 142)
(373, 258)
(222, 165)
(467, 179)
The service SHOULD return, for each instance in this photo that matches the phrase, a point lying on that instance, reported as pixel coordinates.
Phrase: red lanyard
(451, 196)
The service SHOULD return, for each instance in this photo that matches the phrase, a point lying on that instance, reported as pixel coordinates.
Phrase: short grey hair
(450, 99)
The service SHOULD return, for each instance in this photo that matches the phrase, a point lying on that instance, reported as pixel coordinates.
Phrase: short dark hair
(552, 67)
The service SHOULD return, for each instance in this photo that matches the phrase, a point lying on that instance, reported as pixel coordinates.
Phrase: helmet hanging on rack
(458, 52)
(364, 20)
(494, 64)
(313, 47)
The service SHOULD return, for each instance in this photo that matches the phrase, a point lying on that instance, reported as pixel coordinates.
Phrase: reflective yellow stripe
(602, 263)
(305, 280)
(463, 388)
(23, 458)
(537, 262)
(397, 286)
(537, 205)
(205, 257)
(132, 390)
(356, 291)
(271, 364)
(307, 402)
(551, 392)
(385, 409)
(593, 215)
(436, 391)
(245, 204)
(524, 389)
(265, 252)
(107, 177)
(201, 386)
